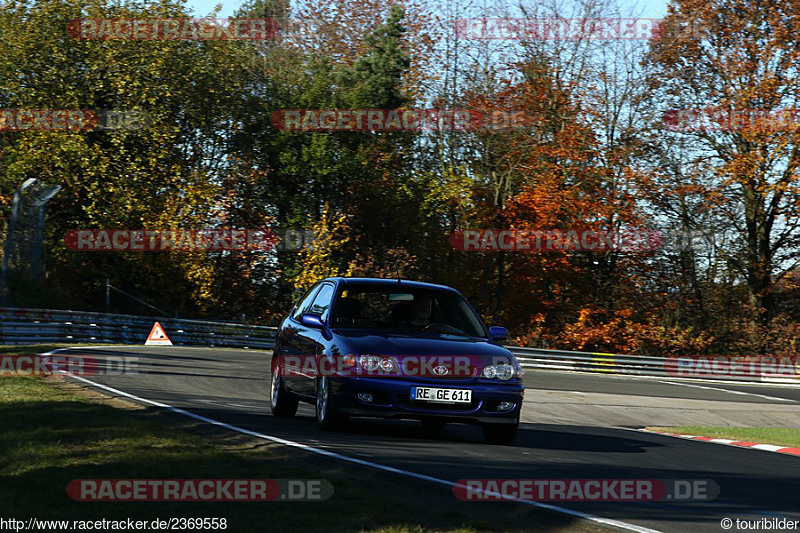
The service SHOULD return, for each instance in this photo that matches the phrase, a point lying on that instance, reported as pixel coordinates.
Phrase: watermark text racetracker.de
(76, 365)
(698, 366)
(393, 366)
(559, 29)
(193, 490)
(387, 120)
(551, 240)
(71, 120)
(586, 489)
(732, 120)
(256, 29)
(186, 240)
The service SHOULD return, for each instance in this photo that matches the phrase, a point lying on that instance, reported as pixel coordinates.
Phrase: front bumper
(391, 399)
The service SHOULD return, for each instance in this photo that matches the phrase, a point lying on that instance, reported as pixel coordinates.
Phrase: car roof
(407, 284)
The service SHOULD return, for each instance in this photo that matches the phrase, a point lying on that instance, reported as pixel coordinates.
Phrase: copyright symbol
(726, 523)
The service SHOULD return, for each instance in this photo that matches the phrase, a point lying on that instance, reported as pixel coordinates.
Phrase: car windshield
(404, 309)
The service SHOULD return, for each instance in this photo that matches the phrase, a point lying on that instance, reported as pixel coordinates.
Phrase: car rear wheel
(328, 416)
(502, 434)
(281, 402)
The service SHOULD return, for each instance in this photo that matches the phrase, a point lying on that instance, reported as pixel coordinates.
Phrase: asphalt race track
(232, 386)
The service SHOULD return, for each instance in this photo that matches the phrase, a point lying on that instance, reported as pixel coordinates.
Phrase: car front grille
(454, 374)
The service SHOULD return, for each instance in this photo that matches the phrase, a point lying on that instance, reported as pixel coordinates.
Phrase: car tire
(501, 434)
(432, 424)
(328, 416)
(281, 401)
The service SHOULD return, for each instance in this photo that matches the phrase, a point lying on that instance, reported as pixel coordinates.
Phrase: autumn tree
(740, 57)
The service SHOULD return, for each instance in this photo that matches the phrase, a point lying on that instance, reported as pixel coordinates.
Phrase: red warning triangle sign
(157, 337)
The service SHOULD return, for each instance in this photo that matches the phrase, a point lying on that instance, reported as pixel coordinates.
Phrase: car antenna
(398, 275)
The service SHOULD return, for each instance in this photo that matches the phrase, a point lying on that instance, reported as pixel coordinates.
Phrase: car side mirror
(311, 320)
(498, 333)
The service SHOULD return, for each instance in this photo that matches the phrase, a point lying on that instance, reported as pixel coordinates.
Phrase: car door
(312, 340)
(292, 337)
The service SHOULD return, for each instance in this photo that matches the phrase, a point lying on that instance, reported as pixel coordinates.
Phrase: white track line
(730, 391)
(640, 377)
(370, 464)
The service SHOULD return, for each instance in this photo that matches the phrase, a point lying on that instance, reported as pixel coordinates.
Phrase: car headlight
(370, 363)
(375, 363)
(388, 364)
(503, 371)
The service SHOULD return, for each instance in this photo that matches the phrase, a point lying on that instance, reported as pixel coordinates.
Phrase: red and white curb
(728, 442)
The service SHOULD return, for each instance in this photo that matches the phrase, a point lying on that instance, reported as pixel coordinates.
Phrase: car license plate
(429, 394)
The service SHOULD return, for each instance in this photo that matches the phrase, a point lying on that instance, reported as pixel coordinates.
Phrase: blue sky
(647, 8)
(204, 7)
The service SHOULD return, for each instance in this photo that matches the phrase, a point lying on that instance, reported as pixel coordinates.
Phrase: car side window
(322, 302)
(304, 303)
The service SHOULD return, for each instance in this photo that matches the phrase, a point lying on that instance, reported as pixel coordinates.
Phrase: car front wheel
(281, 402)
(328, 416)
(502, 434)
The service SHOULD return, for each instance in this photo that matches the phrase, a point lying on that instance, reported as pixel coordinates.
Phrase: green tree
(163, 173)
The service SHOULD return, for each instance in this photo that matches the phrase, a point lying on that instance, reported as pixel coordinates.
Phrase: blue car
(395, 349)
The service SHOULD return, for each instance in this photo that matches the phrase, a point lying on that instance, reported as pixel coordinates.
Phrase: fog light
(505, 406)
(365, 397)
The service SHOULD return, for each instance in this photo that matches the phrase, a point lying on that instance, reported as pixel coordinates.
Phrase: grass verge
(54, 431)
(777, 436)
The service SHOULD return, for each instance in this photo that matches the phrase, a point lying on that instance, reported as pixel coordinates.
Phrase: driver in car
(423, 307)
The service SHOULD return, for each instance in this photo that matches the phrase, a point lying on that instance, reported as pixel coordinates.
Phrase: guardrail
(639, 365)
(37, 326)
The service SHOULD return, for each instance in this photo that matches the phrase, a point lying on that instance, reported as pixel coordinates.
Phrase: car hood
(398, 344)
